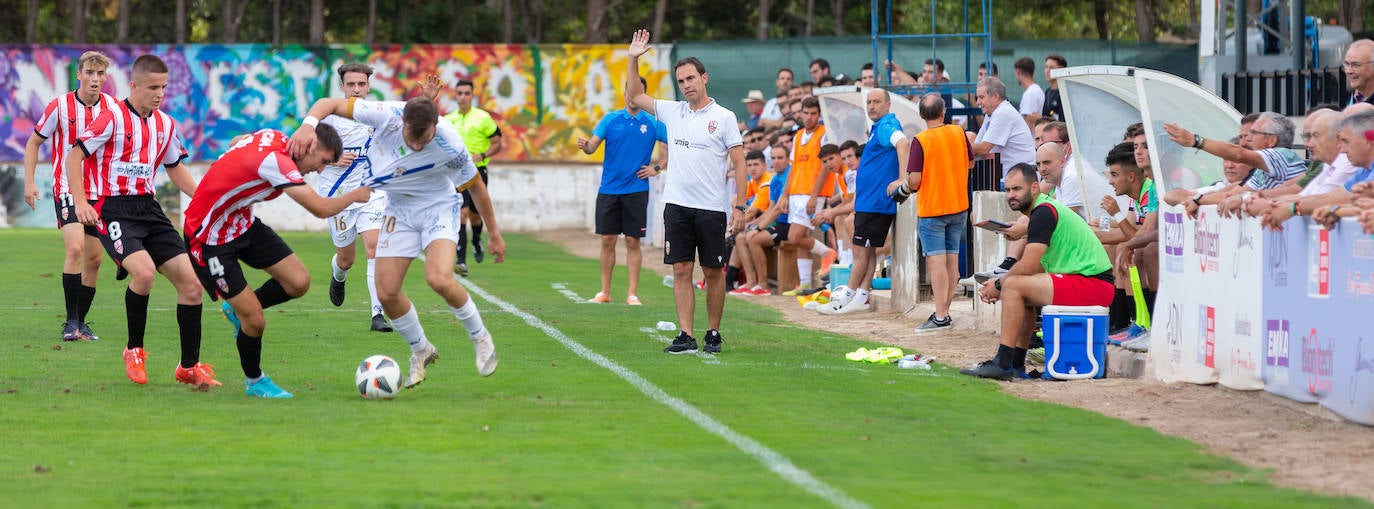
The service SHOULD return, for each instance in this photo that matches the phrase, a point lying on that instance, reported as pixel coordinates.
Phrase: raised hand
(430, 86)
(639, 44)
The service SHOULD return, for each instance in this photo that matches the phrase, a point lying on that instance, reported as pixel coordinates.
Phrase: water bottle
(825, 227)
(665, 326)
(913, 363)
(1104, 223)
(668, 280)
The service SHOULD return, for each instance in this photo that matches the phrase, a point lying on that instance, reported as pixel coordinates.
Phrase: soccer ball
(378, 377)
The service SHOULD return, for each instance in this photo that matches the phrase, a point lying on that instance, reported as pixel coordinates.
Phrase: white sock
(861, 295)
(804, 270)
(819, 249)
(339, 274)
(408, 326)
(846, 257)
(471, 319)
(372, 287)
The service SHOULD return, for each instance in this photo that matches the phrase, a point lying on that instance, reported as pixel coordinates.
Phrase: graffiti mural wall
(543, 96)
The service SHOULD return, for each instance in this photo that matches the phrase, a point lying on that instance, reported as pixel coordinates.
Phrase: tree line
(591, 21)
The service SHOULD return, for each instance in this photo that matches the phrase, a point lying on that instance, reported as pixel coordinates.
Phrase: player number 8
(114, 230)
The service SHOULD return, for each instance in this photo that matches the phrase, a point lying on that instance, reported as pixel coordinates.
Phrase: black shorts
(218, 266)
(689, 232)
(870, 229)
(65, 208)
(467, 197)
(777, 231)
(622, 213)
(129, 224)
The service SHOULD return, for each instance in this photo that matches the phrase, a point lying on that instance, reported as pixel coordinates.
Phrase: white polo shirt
(699, 144)
(1009, 136)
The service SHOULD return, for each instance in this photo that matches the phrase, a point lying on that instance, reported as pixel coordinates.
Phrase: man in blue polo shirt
(883, 163)
(622, 202)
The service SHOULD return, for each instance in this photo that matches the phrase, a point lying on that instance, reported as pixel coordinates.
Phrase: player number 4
(216, 268)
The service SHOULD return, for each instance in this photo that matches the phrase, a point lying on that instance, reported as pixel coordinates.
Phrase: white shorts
(345, 227)
(796, 210)
(408, 230)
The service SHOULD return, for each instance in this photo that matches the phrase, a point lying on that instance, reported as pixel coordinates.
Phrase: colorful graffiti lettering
(543, 96)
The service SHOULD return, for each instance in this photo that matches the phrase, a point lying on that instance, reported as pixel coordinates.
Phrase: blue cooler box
(839, 276)
(1075, 341)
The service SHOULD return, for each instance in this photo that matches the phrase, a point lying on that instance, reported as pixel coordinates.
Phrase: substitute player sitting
(221, 231)
(422, 164)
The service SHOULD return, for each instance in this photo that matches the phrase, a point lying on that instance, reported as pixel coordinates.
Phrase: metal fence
(1291, 93)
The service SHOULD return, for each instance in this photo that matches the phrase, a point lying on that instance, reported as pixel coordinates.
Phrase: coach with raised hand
(703, 144)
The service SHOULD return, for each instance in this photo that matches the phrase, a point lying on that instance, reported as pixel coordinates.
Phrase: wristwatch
(997, 283)
(1197, 199)
(658, 169)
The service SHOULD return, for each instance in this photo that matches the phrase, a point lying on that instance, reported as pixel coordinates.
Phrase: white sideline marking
(706, 358)
(771, 459)
(572, 296)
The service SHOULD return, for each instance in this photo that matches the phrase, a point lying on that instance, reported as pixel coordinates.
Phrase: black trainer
(713, 341)
(682, 344)
(379, 324)
(477, 253)
(84, 329)
(336, 291)
(988, 369)
(70, 331)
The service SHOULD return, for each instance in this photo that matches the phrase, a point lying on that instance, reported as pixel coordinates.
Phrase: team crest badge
(64, 213)
(643, 128)
(711, 127)
(223, 286)
(119, 246)
(398, 172)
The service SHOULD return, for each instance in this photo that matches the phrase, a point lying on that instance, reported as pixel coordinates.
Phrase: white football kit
(423, 199)
(345, 226)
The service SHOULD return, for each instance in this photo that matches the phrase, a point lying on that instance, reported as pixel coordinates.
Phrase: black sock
(188, 321)
(462, 243)
(1150, 302)
(87, 297)
(1116, 314)
(731, 276)
(136, 311)
(271, 293)
(1018, 358)
(476, 234)
(1003, 359)
(71, 295)
(250, 355)
(1008, 262)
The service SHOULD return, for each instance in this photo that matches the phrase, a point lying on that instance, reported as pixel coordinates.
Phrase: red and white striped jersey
(127, 149)
(62, 121)
(255, 169)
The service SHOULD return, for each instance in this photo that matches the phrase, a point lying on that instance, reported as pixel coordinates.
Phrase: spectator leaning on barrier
(1054, 106)
(1329, 169)
(1355, 135)
(1359, 71)
(1032, 97)
(1004, 131)
(1064, 265)
(1234, 173)
(1275, 163)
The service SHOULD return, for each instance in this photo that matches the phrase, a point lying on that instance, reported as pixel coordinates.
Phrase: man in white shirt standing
(703, 145)
(1003, 131)
(1032, 97)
